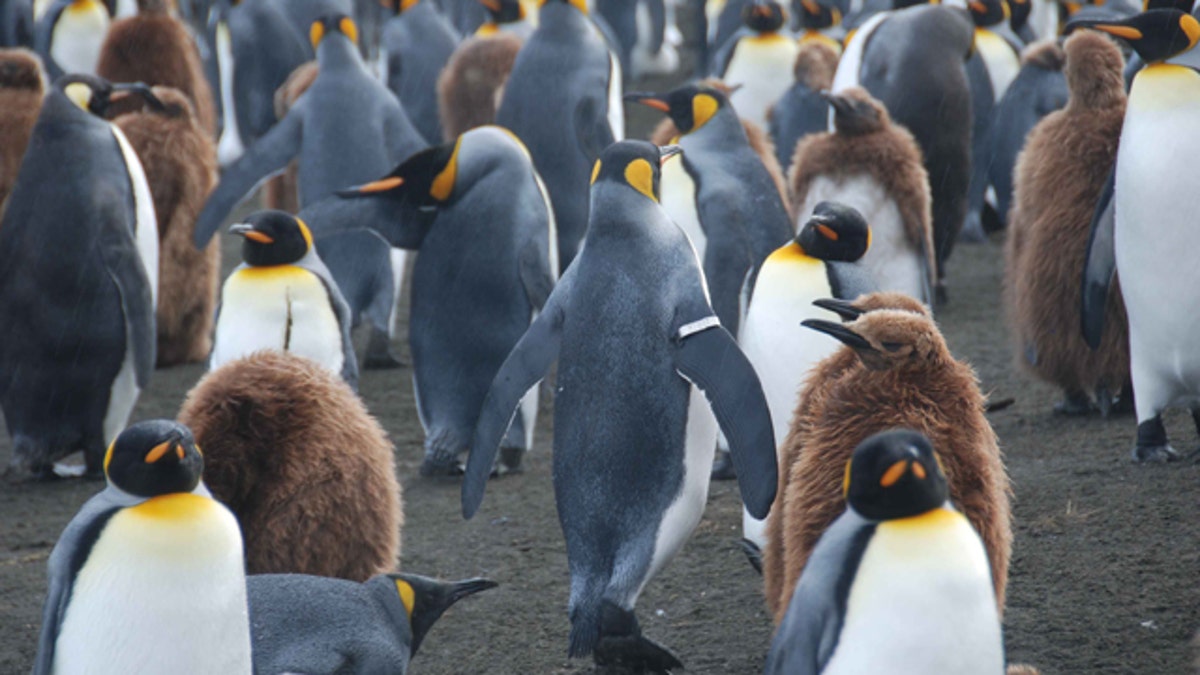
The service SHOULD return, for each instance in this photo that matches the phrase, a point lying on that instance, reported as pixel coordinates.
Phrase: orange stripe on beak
(255, 235)
(382, 185)
(656, 104)
(894, 473)
(156, 453)
(827, 232)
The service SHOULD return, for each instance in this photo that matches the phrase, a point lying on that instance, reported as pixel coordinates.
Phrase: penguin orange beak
(247, 230)
(162, 450)
(493, 5)
(978, 7)
(648, 100)
(896, 471)
(842, 308)
(838, 332)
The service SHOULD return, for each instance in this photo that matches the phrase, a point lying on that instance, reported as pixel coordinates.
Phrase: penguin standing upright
(1055, 197)
(819, 21)
(760, 63)
(78, 280)
(817, 264)
(874, 165)
(346, 130)
(506, 16)
(1147, 236)
(640, 30)
(848, 614)
(21, 93)
(282, 297)
(470, 84)
(416, 45)
(802, 110)
(147, 577)
(16, 24)
(563, 100)
(69, 35)
(637, 344)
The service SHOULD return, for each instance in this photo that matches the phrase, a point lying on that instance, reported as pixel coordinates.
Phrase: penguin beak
(1116, 30)
(839, 332)
(247, 230)
(811, 7)
(666, 152)
(648, 100)
(381, 185)
(842, 308)
(839, 103)
(978, 7)
(493, 5)
(165, 449)
(143, 90)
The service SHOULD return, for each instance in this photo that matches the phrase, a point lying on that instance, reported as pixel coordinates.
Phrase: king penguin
(282, 297)
(78, 280)
(416, 45)
(147, 577)
(802, 111)
(899, 583)
(563, 100)
(69, 35)
(346, 130)
(1148, 233)
(506, 16)
(760, 63)
(16, 24)
(817, 264)
(638, 350)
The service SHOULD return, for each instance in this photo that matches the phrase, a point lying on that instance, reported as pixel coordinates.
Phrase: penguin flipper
(592, 129)
(345, 318)
(269, 155)
(127, 270)
(403, 139)
(536, 274)
(1099, 266)
(707, 356)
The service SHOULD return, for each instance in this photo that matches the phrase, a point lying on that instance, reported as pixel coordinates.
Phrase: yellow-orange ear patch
(704, 106)
(846, 479)
(640, 176)
(1191, 28)
(316, 33)
(443, 183)
(595, 171)
(346, 25)
(894, 473)
(305, 232)
(407, 595)
(108, 456)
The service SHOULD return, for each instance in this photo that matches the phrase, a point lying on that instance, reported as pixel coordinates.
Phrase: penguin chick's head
(689, 107)
(20, 69)
(504, 11)
(889, 339)
(95, 94)
(1095, 71)
(332, 24)
(816, 15)
(273, 238)
(849, 310)
(856, 112)
(424, 180)
(424, 599)
(835, 232)
(637, 164)
(154, 458)
(987, 13)
(580, 5)
(763, 16)
(894, 474)
(1155, 35)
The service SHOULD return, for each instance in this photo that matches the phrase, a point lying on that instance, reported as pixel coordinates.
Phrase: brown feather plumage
(181, 167)
(21, 91)
(308, 472)
(1058, 179)
(470, 85)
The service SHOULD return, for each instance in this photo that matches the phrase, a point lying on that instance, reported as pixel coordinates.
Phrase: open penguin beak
(247, 230)
(839, 332)
(842, 308)
(648, 100)
(666, 152)
(141, 89)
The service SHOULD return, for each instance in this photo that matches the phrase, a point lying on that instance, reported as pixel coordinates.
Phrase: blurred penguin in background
(69, 36)
(506, 16)
(760, 63)
(16, 24)
(22, 88)
(416, 45)
(802, 110)
(470, 85)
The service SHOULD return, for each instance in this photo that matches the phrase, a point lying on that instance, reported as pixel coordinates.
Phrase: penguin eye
(892, 346)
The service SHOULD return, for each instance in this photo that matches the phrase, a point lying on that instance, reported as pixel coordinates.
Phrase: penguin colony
(692, 303)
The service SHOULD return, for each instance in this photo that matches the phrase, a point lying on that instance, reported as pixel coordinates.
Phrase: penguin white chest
(162, 591)
(78, 35)
(679, 201)
(921, 602)
(762, 67)
(1000, 58)
(230, 147)
(283, 308)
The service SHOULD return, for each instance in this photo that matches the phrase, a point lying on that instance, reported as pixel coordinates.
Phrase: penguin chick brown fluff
(470, 85)
(147, 577)
(907, 377)
(21, 92)
(1059, 178)
(306, 469)
(898, 583)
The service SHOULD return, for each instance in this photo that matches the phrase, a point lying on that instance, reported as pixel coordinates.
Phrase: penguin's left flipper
(126, 269)
(537, 277)
(341, 309)
(1099, 266)
(707, 356)
(591, 128)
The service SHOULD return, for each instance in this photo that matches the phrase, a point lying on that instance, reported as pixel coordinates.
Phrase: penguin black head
(504, 11)
(849, 310)
(835, 232)
(816, 15)
(333, 24)
(689, 107)
(425, 180)
(1184, 6)
(889, 339)
(580, 5)
(763, 16)
(273, 238)
(399, 6)
(1020, 11)
(424, 599)
(987, 13)
(154, 458)
(894, 474)
(902, 4)
(1155, 35)
(856, 112)
(637, 164)
(95, 94)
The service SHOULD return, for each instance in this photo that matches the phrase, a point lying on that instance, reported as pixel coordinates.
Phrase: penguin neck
(722, 130)
(561, 17)
(338, 54)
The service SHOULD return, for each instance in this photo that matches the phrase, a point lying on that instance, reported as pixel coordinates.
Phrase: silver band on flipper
(694, 327)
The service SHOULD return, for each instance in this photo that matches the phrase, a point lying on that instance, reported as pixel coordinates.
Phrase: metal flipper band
(694, 327)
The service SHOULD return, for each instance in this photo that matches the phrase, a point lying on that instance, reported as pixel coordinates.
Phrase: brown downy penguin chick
(308, 472)
(1059, 177)
(666, 133)
(154, 47)
(875, 166)
(180, 160)
(282, 192)
(812, 395)
(470, 85)
(21, 91)
(905, 377)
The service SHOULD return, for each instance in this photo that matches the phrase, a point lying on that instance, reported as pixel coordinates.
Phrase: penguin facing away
(1143, 230)
(321, 626)
(637, 342)
(282, 297)
(848, 614)
(801, 110)
(874, 165)
(470, 85)
(78, 280)
(115, 574)
(21, 91)
(361, 264)
(417, 43)
(69, 35)
(1059, 178)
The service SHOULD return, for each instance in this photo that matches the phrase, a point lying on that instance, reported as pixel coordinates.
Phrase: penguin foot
(1154, 454)
(384, 361)
(1104, 401)
(634, 654)
(1076, 404)
(509, 461)
(753, 553)
(441, 466)
(723, 467)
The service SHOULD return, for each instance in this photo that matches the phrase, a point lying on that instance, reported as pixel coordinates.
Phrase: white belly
(230, 147)
(146, 223)
(399, 259)
(642, 61)
(616, 100)
(679, 201)
(161, 592)
(77, 37)
(281, 308)
(762, 66)
(893, 260)
(1001, 61)
(1043, 18)
(921, 602)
